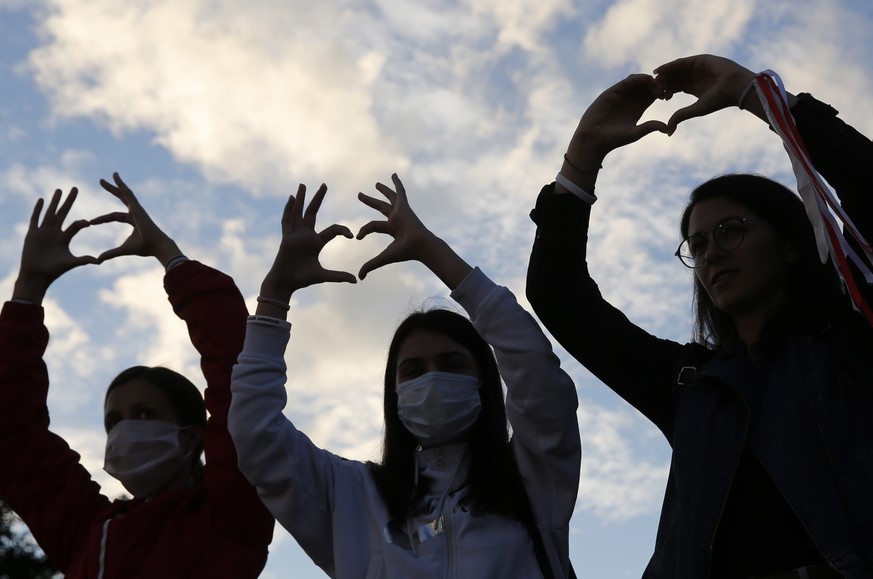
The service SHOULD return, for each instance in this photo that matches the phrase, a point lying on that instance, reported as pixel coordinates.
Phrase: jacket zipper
(102, 560)
(711, 548)
(450, 544)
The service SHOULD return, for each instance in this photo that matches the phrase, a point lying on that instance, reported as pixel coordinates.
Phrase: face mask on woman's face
(144, 455)
(439, 407)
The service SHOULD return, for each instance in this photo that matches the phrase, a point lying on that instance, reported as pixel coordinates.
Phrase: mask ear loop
(817, 197)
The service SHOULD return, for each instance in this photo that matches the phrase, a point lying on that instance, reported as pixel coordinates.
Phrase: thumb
(335, 276)
(647, 127)
(379, 261)
(697, 109)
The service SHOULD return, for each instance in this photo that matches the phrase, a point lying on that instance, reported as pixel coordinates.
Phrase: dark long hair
(494, 481)
(182, 394)
(812, 290)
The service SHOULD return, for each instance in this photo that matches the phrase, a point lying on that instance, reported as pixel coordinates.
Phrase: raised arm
(41, 478)
(214, 311)
(294, 478)
(559, 286)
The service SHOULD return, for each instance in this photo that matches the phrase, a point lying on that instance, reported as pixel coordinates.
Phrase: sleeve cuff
(474, 291)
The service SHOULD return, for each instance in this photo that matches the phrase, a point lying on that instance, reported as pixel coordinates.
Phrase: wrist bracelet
(575, 189)
(745, 94)
(279, 304)
(24, 301)
(174, 261)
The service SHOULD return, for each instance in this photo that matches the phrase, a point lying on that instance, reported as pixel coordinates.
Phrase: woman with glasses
(768, 409)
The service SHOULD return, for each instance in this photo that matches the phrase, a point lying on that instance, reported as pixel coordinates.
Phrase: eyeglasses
(728, 235)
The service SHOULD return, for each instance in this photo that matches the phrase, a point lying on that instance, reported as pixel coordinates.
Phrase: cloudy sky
(214, 110)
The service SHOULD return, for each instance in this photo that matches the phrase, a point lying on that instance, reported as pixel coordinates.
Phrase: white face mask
(144, 455)
(439, 407)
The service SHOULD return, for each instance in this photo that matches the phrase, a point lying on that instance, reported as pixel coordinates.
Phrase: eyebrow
(442, 356)
(717, 223)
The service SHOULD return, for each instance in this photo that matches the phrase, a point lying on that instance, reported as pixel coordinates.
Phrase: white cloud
(275, 97)
(646, 33)
(151, 332)
(523, 22)
(623, 469)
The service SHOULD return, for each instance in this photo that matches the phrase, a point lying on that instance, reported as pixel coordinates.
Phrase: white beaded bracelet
(174, 261)
(575, 189)
(745, 94)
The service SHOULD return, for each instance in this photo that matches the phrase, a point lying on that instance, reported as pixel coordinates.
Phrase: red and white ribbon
(822, 208)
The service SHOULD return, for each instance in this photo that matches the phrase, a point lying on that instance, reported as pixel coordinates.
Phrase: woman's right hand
(46, 253)
(296, 264)
(611, 120)
(609, 123)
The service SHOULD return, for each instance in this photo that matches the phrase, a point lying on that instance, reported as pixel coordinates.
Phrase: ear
(191, 438)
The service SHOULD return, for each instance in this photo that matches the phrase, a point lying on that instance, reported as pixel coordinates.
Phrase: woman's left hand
(412, 240)
(717, 82)
(146, 239)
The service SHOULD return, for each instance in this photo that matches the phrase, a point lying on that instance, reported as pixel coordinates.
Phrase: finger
(377, 204)
(384, 258)
(697, 109)
(672, 66)
(647, 127)
(335, 276)
(314, 205)
(85, 260)
(288, 211)
(119, 189)
(74, 228)
(373, 227)
(37, 209)
(398, 186)
(334, 231)
(122, 186)
(113, 253)
(115, 217)
(112, 189)
(67, 205)
(50, 211)
(371, 265)
(387, 191)
(297, 209)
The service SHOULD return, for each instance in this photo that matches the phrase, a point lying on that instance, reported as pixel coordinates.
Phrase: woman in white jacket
(452, 496)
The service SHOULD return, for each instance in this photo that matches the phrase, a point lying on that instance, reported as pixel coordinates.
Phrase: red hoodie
(218, 528)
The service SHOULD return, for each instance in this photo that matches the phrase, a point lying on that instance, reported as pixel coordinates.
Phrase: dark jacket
(807, 418)
(217, 528)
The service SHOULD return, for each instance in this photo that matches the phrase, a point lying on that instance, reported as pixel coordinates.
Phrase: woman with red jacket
(185, 519)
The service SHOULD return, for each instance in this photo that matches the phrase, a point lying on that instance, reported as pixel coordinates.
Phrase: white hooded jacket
(332, 507)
